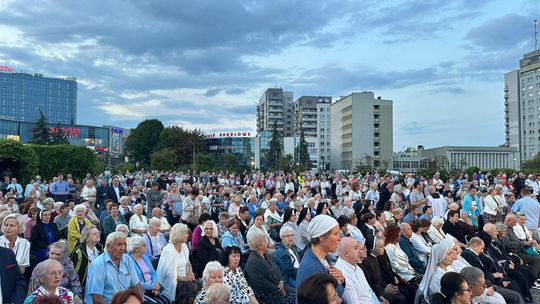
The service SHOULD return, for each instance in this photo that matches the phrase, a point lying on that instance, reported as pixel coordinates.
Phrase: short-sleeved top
(105, 279)
(21, 250)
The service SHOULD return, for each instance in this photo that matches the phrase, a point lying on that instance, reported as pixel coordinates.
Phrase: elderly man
(477, 284)
(115, 191)
(533, 184)
(407, 246)
(111, 272)
(351, 253)
(530, 207)
(514, 245)
(474, 254)
(323, 231)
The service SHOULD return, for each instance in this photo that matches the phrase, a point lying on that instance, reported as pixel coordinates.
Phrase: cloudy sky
(205, 63)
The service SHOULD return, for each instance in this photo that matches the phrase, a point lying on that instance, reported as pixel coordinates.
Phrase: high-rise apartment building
(522, 107)
(23, 95)
(276, 106)
(361, 131)
(312, 115)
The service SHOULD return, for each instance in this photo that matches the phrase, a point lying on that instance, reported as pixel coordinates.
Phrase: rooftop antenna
(535, 23)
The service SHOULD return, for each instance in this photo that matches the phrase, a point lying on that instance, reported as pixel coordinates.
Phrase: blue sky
(205, 63)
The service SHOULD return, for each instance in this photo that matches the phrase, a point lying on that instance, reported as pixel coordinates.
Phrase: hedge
(54, 159)
(21, 159)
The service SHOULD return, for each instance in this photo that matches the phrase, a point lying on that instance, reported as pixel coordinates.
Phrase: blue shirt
(467, 204)
(18, 188)
(309, 265)
(105, 279)
(531, 208)
(60, 188)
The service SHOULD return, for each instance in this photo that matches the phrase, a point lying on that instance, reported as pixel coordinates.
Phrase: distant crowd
(270, 237)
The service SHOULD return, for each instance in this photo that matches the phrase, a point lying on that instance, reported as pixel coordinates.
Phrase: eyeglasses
(58, 273)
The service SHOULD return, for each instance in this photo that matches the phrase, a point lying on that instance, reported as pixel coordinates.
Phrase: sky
(204, 64)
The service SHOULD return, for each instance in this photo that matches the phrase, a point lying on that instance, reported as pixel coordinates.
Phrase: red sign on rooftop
(6, 69)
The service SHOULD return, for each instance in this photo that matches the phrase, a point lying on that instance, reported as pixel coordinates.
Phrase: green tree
(275, 148)
(20, 158)
(286, 163)
(163, 159)
(40, 132)
(76, 160)
(301, 153)
(58, 137)
(230, 162)
(203, 162)
(143, 140)
(531, 165)
(184, 142)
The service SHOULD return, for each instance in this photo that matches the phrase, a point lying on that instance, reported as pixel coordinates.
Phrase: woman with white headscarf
(442, 256)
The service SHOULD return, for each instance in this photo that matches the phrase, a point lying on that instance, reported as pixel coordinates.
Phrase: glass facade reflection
(241, 147)
(23, 95)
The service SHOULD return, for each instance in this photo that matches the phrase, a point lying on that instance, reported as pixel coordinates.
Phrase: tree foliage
(532, 165)
(203, 162)
(275, 148)
(301, 153)
(40, 132)
(58, 136)
(163, 159)
(143, 140)
(76, 160)
(21, 159)
(183, 142)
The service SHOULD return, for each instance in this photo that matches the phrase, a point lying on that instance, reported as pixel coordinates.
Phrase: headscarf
(320, 225)
(438, 252)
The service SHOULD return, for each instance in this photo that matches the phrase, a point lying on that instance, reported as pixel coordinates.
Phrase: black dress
(205, 253)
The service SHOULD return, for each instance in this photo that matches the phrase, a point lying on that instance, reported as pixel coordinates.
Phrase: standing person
(416, 197)
(89, 193)
(17, 189)
(530, 207)
(115, 191)
(472, 206)
(323, 231)
(111, 272)
(437, 201)
(62, 220)
(60, 189)
(153, 198)
(491, 207)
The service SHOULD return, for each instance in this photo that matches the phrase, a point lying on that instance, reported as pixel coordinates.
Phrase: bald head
(349, 250)
(406, 230)
(510, 220)
(491, 229)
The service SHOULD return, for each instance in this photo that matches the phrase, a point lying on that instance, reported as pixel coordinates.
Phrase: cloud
(413, 128)
(502, 33)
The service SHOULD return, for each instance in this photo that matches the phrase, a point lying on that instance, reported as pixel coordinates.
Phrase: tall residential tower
(361, 131)
(275, 106)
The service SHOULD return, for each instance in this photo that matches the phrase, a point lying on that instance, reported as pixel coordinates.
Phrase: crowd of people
(174, 237)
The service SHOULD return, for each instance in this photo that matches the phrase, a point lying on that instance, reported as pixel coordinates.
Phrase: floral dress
(240, 290)
(65, 296)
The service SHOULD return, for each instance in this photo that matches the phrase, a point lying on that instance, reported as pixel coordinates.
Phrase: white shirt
(138, 223)
(92, 254)
(422, 248)
(117, 191)
(490, 205)
(357, 289)
(438, 205)
(399, 261)
(21, 250)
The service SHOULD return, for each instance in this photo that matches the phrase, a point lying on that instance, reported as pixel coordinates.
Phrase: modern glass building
(107, 139)
(239, 143)
(23, 95)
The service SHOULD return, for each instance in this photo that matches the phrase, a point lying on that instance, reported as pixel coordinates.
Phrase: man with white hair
(111, 272)
(357, 290)
(533, 184)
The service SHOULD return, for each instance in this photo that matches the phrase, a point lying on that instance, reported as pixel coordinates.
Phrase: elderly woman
(76, 225)
(138, 222)
(174, 270)
(233, 237)
(88, 249)
(213, 273)
(218, 293)
(37, 193)
(272, 219)
(43, 234)
(208, 249)
(89, 193)
(289, 220)
(145, 271)
(435, 231)
(421, 246)
(259, 226)
(59, 251)
(234, 278)
(48, 277)
(12, 226)
(373, 193)
(287, 257)
(263, 275)
(155, 240)
(397, 216)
